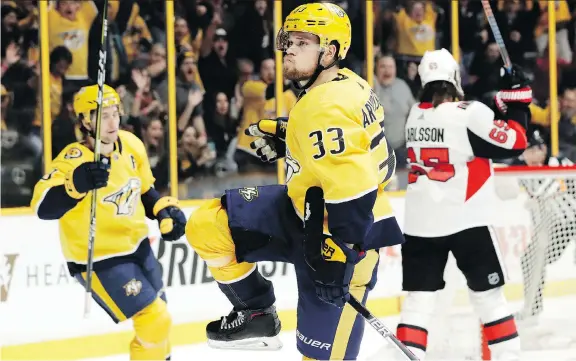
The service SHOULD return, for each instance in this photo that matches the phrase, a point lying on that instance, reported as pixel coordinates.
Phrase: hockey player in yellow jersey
(127, 278)
(333, 140)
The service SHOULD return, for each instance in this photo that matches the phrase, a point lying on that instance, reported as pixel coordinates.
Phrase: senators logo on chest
(126, 199)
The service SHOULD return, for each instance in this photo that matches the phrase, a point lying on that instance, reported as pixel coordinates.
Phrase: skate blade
(251, 344)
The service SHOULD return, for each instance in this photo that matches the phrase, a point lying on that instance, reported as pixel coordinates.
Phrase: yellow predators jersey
(335, 140)
(121, 219)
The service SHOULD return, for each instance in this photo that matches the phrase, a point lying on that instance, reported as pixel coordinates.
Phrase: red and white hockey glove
(514, 89)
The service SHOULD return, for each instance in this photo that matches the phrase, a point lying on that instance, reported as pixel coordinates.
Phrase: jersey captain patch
(126, 198)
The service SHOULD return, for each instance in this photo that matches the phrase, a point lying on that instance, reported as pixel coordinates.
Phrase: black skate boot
(246, 330)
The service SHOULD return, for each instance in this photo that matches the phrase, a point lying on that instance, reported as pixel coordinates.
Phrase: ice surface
(554, 338)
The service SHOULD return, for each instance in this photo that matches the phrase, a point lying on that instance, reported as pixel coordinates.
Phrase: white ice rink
(554, 339)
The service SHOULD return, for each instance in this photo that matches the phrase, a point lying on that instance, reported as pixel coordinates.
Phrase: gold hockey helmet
(327, 21)
(86, 100)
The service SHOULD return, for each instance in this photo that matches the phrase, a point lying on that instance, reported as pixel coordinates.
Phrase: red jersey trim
(425, 105)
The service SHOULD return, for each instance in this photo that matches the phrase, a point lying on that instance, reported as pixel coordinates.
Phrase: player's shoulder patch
(73, 153)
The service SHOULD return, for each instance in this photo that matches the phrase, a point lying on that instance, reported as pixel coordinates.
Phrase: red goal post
(525, 171)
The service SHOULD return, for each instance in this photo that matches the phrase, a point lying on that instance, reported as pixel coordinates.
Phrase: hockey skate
(246, 330)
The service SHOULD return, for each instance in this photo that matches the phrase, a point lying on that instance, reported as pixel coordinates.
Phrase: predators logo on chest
(127, 198)
(292, 166)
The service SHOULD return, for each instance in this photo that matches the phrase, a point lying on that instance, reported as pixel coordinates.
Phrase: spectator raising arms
(225, 73)
(70, 23)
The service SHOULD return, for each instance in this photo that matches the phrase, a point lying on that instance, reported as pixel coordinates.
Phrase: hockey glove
(171, 219)
(271, 142)
(330, 260)
(514, 88)
(86, 177)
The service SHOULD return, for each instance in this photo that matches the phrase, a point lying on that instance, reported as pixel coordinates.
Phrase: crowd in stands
(405, 30)
(225, 74)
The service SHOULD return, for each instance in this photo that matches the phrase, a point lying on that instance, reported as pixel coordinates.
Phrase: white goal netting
(536, 232)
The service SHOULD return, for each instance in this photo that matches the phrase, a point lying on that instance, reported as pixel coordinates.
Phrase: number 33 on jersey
(449, 151)
(335, 140)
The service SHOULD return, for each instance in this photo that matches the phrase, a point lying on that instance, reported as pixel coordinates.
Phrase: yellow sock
(138, 351)
(152, 326)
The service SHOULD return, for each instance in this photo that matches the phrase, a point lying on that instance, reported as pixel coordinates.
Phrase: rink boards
(41, 306)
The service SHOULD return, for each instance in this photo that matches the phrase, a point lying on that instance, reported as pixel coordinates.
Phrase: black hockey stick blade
(381, 328)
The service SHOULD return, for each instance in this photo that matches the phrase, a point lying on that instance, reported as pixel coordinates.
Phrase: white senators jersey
(451, 186)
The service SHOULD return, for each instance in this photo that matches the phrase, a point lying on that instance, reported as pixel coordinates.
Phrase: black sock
(252, 292)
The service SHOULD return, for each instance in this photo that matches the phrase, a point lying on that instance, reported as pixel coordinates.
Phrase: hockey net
(536, 234)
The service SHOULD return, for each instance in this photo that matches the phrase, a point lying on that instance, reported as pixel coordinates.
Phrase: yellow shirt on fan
(121, 218)
(74, 36)
(415, 39)
(335, 140)
(562, 15)
(254, 93)
(270, 105)
(268, 112)
(56, 89)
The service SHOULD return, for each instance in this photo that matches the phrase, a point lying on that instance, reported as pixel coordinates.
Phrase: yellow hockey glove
(271, 134)
(171, 219)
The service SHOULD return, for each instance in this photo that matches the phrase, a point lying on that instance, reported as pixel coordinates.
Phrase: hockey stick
(92, 229)
(380, 328)
(313, 229)
(497, 35)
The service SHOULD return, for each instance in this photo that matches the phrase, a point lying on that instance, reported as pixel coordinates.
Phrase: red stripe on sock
(413, 335)
(500, 329)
